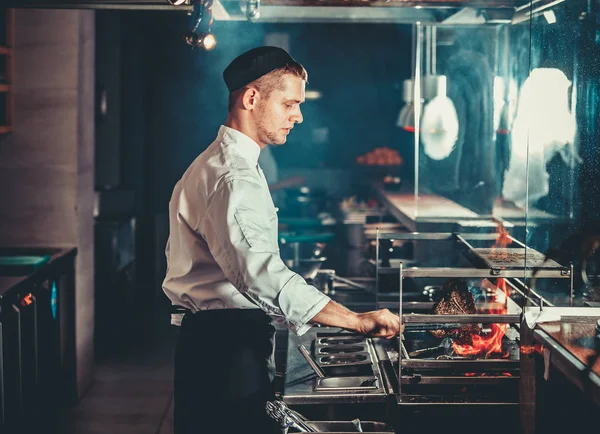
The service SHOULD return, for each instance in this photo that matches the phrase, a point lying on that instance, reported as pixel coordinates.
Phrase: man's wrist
(354, 322)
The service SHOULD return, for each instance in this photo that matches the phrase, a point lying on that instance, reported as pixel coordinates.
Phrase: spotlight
(204, 41)
(209, 41)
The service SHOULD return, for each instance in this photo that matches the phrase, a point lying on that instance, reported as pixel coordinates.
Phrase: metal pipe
(416, 236)
(528, 11)
(427, 50)
(462, 319)
(377, 265)
(312, 363)
(525, 296)
(347, 282)
(433, 50)
(464, 365)
(527, 290)
(448, 272)
(417, 106)
(420, 327)
(571, 288)
(400, 344)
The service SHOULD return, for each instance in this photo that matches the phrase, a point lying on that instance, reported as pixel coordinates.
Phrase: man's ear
(250, 98)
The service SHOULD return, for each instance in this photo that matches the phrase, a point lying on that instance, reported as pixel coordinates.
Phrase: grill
(430, 370)
(514, 258)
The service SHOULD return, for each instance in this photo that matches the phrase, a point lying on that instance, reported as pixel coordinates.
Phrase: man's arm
(378, 323)
(237, 230)
(240, 229)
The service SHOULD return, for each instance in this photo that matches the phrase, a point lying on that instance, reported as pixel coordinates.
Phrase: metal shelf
(449, 272)
(462, 319)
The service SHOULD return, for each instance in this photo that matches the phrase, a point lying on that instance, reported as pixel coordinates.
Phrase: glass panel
(556, 117)
(464, 97)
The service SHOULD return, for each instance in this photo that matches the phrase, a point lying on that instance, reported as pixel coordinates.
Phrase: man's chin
(280, 141)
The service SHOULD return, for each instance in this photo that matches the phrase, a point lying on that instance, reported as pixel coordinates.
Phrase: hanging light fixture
(439, 123)
(204, 40)
(406, 118)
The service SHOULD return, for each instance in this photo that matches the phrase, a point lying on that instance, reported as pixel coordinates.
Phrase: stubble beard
(269, 137)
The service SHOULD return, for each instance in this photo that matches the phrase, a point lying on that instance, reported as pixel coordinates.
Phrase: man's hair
(271, 81)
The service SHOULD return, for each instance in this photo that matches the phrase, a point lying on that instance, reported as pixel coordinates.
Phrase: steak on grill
(456, 299)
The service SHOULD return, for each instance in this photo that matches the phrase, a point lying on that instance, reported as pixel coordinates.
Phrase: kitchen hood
(451, 12)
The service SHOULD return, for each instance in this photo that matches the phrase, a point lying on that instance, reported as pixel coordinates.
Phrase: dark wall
(173, 100)
(358, 68)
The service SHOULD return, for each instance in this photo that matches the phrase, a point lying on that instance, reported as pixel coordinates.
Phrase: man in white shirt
(223, 259)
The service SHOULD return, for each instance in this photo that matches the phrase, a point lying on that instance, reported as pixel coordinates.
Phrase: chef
(223, 263)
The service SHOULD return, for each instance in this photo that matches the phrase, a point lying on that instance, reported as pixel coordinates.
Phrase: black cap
(253, 64)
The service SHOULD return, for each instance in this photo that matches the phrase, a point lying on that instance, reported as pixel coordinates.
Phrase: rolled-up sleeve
(240, 228)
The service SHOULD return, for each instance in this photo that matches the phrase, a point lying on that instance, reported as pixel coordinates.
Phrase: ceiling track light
(204, 40)
(251, 9)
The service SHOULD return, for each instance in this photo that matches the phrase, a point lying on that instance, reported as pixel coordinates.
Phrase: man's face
(277, 114)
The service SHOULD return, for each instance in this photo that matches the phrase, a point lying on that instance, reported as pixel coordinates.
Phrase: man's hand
(379, 323)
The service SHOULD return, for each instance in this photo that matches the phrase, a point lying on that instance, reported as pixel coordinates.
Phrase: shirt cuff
(311, 314)
(299, 303)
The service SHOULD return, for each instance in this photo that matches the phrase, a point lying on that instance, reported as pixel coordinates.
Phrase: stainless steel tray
(363, 358)
(346, 384)
(340, 349)
(343, 427)
(341, 340)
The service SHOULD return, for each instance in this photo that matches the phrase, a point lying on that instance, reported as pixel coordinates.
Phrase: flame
(530, 349)
(492, 342)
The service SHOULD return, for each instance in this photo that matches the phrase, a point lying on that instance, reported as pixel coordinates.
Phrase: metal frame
(483, 271)
(480, 270)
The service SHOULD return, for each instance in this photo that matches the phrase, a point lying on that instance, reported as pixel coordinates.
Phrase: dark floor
(133, 388)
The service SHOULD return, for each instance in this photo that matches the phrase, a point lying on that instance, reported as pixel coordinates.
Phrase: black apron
(224, 369)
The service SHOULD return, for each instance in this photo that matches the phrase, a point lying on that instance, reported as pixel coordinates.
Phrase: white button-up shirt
(222, 251)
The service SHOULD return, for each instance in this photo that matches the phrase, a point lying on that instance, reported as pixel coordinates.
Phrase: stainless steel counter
(569, 345)
(300, 383)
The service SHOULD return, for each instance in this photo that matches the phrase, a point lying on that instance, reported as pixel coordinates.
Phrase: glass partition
(464, 95)
(557, 117)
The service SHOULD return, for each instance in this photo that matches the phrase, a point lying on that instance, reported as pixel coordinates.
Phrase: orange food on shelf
(380, 157)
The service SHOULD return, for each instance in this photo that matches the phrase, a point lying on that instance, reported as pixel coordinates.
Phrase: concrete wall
(47, 164)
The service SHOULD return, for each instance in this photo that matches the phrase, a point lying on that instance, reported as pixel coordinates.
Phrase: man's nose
(297, 117)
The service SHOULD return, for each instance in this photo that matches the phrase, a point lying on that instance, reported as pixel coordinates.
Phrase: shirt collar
(247, 147)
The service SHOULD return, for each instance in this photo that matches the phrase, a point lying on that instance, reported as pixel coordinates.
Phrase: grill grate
(514, 258)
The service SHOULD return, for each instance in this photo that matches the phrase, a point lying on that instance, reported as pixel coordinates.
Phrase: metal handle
(348, 282)
(313, 364)
(416, 327)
